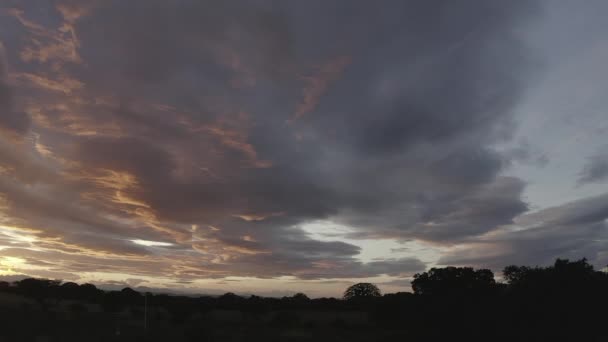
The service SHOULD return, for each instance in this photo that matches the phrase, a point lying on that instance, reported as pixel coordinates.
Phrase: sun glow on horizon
(8, 263)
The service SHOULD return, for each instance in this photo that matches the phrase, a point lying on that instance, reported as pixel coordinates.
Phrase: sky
(274, 147)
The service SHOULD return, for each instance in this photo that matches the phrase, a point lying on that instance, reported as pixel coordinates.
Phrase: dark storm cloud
(595, 170)
(11, 120)
(573, 230)
(443, 76)
(487, 209)
(227, 126)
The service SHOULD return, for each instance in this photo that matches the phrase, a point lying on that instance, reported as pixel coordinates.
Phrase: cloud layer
(223, 128)
(596, 169)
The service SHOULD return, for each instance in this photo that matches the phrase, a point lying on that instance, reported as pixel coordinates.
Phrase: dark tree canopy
(362, 290)
(230, 296)
(563, 275)
(453, 280)
(39, 288)
(300, 297)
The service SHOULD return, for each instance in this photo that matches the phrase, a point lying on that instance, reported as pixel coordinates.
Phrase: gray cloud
(595, 170)
(525, 153)
(11, 120)
(573, 230)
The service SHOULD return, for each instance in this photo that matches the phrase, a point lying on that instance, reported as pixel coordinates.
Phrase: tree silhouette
(301, 297)
(38, 288)
(362, 290)
(454, 281)
(564, 275)
(230, 300)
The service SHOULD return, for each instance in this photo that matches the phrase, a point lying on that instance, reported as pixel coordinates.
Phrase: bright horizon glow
(7, 264)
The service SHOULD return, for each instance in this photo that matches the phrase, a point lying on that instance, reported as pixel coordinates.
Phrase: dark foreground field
(564, 302)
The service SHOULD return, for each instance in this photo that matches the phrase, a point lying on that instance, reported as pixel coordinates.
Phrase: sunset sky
(274, 147)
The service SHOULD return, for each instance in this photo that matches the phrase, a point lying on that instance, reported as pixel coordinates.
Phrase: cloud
(525, 153)
(11, 120)
(318, 84)
(177, 123)
(595, 170)
(574, 230)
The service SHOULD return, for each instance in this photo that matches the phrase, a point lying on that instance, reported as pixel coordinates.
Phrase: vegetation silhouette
(362, 291)
(566, 301)
(454, 281)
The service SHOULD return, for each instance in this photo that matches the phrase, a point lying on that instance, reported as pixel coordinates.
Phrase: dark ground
(564, 302)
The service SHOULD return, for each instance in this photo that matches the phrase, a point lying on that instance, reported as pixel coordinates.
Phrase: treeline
(567, 301)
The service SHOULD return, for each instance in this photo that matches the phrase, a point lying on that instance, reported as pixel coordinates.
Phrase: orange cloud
(73, 11)
(65, 114)
(233, 134)
(244, 74)
(63, 84)
(318, 83)
(48, 45)
(257, 217)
